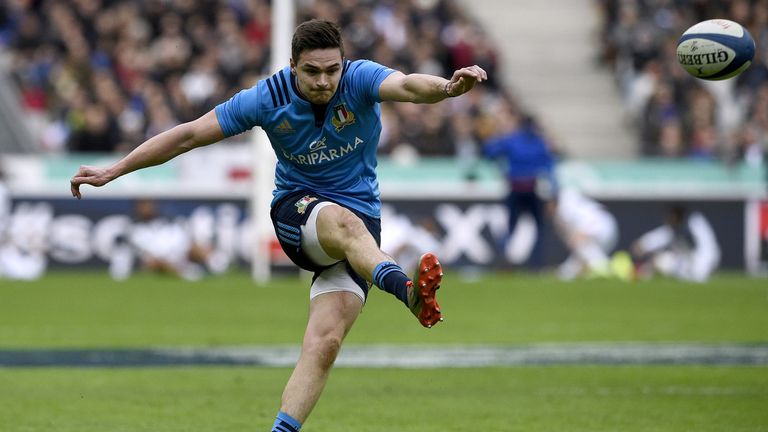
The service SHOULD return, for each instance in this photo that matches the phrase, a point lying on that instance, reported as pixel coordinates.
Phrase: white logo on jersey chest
(320, 153)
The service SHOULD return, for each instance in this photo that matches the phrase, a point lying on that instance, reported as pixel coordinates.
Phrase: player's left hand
(464, 79)
(90, 175)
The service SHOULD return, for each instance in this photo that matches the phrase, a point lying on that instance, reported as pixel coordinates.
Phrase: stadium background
(85, 81)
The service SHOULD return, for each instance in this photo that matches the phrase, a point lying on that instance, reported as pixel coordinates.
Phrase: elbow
(411, 96)
(186, 146)
(417, 95)
(194, 134)
(202, 132)
(187, 139)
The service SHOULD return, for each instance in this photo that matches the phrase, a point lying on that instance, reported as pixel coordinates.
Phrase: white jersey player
(588, 230)
(22, 238)
(685, 247)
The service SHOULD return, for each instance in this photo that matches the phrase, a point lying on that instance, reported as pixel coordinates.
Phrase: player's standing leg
(331, 315)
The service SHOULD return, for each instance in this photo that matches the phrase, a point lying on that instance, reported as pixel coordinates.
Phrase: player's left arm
(423, 88)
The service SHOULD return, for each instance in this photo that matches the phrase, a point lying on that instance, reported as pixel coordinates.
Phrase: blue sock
(392, 279)
(285, 423)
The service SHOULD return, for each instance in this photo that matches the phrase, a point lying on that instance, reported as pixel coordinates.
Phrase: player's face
(318, 73)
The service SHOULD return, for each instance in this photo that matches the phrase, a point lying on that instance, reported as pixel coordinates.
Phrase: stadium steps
(548, 52)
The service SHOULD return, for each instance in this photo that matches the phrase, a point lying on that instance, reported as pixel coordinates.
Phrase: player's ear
(293, 67)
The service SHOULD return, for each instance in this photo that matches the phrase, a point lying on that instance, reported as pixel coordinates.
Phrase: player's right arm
(653, 240)
(155, 151)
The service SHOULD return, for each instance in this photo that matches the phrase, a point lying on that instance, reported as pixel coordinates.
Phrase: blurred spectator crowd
(103, 75)
(678, 115)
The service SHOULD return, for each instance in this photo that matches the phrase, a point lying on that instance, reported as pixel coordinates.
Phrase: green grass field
(81, 310)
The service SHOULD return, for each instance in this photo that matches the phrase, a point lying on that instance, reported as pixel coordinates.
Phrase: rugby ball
(715, 49)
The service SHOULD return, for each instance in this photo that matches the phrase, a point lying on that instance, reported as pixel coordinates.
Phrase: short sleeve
(241, 112)
(366, 77)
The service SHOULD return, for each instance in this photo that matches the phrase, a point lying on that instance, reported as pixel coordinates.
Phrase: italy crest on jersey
(342, 117)
(301, 205)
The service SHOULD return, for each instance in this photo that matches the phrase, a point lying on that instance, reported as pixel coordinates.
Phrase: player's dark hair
(676, 213)
(316, 34)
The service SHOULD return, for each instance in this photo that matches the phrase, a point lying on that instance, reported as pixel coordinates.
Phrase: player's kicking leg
(344, 235)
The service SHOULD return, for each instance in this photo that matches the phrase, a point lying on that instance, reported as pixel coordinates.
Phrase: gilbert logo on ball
(715, 49)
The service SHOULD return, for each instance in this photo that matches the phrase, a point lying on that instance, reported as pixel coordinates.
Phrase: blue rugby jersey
(335, 158)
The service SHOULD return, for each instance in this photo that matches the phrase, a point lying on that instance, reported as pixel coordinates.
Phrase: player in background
(589, 231)
(163, 245)
(22, 239)
(322, 116)
(528, 161)
(684, 247)
(5, 201)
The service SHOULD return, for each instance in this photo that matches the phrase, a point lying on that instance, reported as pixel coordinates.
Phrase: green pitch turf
(89, 310)
(588, 399)
(79, 310)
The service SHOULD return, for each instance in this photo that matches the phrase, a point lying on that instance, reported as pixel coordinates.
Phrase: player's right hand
(90, 175)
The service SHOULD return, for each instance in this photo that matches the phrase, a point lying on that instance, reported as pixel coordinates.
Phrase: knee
(339, 231)
(324, 349)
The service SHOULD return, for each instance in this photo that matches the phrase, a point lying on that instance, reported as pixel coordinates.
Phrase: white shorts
(335, 278)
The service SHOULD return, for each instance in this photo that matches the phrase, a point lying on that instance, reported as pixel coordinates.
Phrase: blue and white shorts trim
(295, 221)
